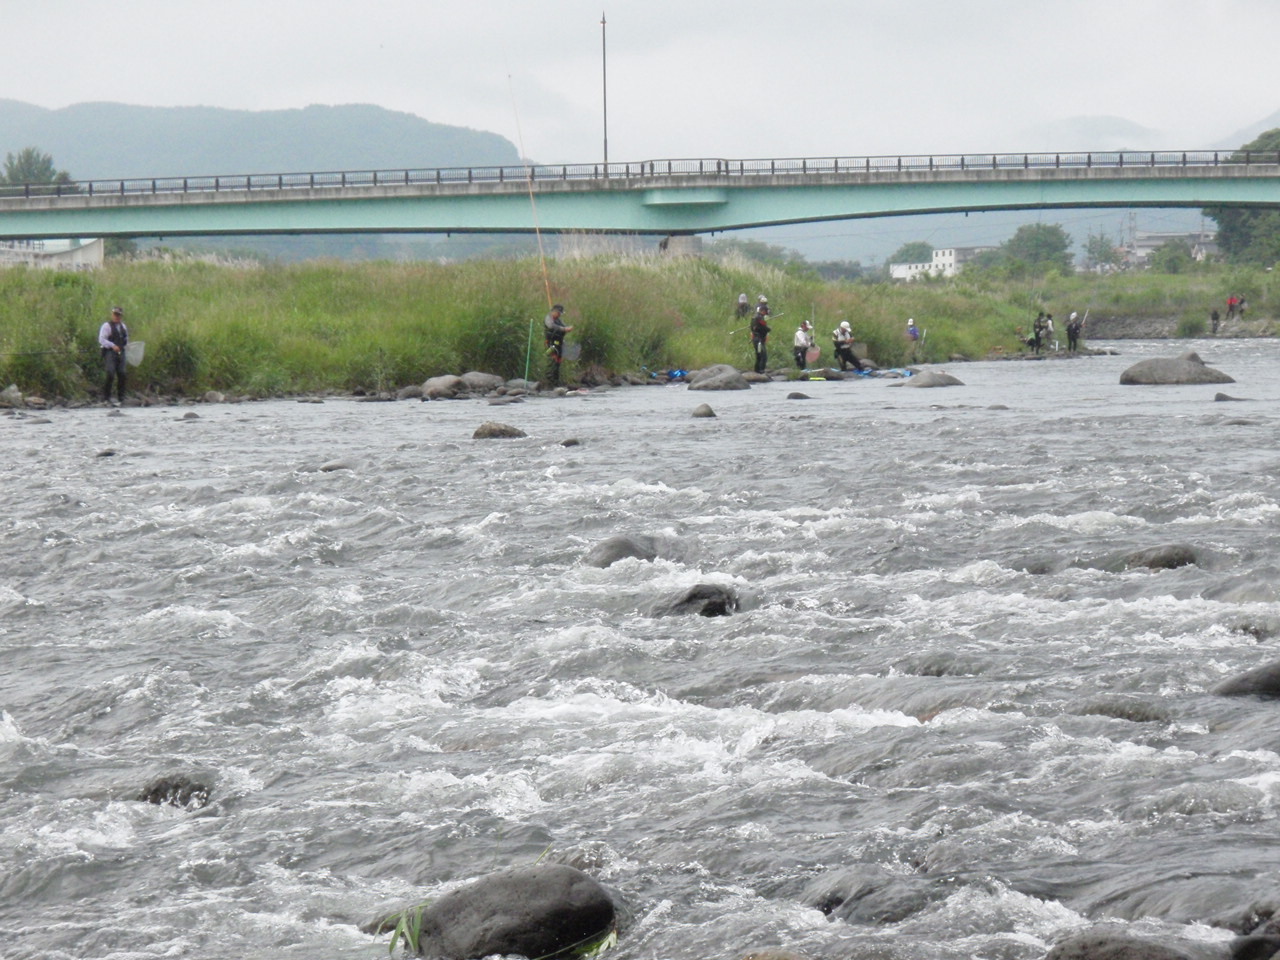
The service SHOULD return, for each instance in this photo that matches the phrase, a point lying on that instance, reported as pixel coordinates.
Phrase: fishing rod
(537, 230)
(772, 316)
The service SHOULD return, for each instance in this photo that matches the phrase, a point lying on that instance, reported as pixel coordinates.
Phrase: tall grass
(329, 326)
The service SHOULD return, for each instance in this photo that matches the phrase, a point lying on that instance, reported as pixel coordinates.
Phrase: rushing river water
(940, 727)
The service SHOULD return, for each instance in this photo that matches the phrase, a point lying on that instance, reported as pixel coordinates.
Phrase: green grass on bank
(329, 326)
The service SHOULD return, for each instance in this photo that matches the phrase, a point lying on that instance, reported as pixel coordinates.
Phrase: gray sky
(686, 78)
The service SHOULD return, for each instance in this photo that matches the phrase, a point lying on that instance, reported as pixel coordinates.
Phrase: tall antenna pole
(604, 86)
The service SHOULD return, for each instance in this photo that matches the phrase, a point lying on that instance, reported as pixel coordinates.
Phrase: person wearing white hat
(803, 341)
(1074, 326)
(913, 338)
(842, 338)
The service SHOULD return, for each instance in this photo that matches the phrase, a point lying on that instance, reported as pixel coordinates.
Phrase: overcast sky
(686, 78)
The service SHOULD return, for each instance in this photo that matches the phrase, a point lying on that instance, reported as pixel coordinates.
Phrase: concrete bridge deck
(665, 197)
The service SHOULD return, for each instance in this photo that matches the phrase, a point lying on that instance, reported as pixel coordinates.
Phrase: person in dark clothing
(554, 331)
(1037, 333)
(1214, 320)
(760, 334)
(842, 338)
(1074, 326)
(113, 337)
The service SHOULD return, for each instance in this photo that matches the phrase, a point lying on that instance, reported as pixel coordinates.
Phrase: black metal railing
(646, 169)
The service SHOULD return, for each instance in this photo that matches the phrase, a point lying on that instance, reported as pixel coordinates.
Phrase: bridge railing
(624, 172)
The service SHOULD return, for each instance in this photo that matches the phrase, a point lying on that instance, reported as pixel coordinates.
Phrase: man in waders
(842, 338)
(760, 334)
(113, 337)
(554, 331)
(801, 344)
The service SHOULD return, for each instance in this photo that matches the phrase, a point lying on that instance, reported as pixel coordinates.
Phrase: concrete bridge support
(681, 245)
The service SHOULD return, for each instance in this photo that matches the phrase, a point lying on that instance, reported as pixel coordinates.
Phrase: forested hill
(109, 140)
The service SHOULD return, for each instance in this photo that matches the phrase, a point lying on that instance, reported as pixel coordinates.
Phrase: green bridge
(657, 197)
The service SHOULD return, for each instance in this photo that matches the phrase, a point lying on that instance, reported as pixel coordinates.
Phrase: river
(941, 726)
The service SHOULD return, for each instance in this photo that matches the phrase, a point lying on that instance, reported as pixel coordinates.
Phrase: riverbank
(1104, 327)
(372, 328)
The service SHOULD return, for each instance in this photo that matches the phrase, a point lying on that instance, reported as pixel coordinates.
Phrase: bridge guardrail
(522, 173)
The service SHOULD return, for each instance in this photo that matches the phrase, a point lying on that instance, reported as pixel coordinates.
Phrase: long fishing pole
(537, 230)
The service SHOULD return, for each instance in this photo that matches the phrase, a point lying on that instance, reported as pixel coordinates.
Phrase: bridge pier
(681, 245)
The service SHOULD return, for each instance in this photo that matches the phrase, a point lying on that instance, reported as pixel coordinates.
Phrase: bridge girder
(663, 205)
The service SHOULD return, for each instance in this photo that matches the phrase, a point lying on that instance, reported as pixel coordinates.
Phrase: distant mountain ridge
(115, 140)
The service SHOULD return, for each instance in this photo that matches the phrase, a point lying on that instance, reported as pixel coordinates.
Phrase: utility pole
(604, 88)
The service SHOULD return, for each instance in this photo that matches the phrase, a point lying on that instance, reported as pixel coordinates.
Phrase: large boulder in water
(542, 911)
(493, 430)
(1263, 681)
(934, 378)
(1158, 371)
(720, 376)
(1108, 944)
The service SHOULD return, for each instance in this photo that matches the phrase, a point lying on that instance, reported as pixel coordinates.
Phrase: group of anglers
(803, 345)
(1042, 332)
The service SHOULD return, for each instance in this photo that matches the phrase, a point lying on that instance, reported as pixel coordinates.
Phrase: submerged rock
(1263, 681)
(1161, 371)
(609, 552)
(1114, 945)
(703, 410)
(870, 894)
(543, 911)
(491, 429)
(703, 599)
(176, 791)
(1167, 557)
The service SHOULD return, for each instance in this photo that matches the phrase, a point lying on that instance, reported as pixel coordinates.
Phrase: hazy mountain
(115, 140)
(1249, 133)
(108, 140)
(1092, 133)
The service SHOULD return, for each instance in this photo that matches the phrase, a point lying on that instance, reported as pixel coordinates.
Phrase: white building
(52, 254)
(1203, 244)
(945, 263)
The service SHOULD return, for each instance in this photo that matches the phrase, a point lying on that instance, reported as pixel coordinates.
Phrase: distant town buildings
(1141, 244)
(945, 263)
(52, 254)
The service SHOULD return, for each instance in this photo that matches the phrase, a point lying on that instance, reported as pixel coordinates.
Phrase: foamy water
(941, 725)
